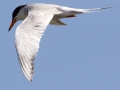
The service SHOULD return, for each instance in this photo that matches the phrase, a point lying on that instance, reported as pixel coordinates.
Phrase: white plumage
(29, 33)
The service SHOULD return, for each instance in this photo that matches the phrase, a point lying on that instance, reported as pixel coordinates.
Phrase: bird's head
(18, 14)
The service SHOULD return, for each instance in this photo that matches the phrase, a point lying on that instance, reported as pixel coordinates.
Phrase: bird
(36, 17)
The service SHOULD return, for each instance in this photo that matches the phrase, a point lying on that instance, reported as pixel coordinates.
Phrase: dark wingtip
(30, 80)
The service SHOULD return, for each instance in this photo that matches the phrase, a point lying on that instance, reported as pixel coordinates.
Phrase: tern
(28, 34)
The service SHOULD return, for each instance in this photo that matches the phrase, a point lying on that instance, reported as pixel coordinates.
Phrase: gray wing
(27, 38)
(57, 22)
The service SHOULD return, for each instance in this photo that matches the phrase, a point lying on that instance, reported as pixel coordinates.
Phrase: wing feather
(27, 38)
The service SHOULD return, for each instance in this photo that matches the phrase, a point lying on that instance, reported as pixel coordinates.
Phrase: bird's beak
(12, 23)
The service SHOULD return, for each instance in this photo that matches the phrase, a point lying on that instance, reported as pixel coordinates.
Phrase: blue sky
(85, 55)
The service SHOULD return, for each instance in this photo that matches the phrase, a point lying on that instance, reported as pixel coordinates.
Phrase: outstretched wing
(27, 38)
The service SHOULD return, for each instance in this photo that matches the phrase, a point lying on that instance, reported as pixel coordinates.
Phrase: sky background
(85, 55)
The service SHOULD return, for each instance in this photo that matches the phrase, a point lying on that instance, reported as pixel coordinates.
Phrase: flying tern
(28, 34)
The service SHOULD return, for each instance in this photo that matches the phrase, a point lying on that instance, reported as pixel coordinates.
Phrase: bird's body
(29, 33)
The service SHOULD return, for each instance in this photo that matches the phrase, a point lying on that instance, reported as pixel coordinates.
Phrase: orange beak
(12, 24)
